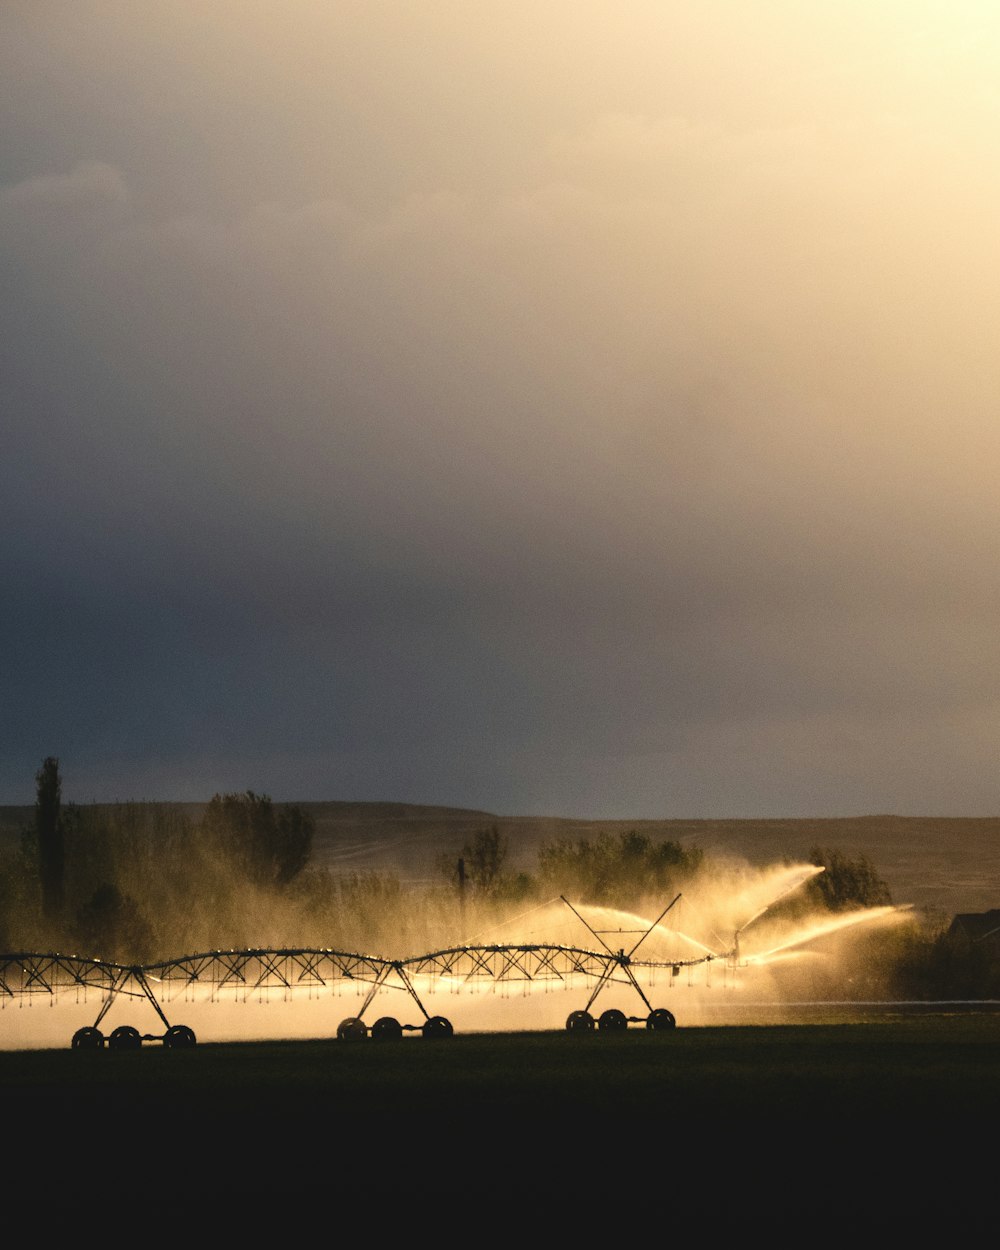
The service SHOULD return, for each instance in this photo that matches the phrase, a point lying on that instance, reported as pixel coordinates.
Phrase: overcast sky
(582, 407)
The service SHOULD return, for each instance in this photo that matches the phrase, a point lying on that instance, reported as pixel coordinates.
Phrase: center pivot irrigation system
(261, 972)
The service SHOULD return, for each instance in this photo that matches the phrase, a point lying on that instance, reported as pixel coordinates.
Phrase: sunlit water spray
(707, 956)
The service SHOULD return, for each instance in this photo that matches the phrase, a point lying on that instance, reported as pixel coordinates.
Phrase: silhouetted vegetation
(483, 859)
(945, 964)
(137, 882)
(267, 847)
(846, 883)
(49, 831)
(19, 894)
(113, 923)
(616, 871)
(131, 882)
(479, 871)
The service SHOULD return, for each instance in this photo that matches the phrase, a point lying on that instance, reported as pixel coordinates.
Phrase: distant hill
(946, 865)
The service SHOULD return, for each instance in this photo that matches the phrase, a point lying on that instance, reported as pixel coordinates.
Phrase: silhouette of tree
(846, 883)
(110, 925)
(484, 857)
(49, 830)
(269, 847)
(480, 869)
(616, 871)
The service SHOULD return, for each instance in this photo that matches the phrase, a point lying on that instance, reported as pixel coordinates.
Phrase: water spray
(291, 971)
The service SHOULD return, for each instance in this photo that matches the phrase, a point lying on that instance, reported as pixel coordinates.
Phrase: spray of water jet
(818, 929)
(530, 968)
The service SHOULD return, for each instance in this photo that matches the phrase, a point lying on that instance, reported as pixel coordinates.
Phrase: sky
(585, 409)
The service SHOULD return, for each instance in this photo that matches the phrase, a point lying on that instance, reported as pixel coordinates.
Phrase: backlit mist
(722, 952)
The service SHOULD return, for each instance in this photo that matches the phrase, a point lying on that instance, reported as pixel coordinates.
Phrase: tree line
(104, 879)
(137, 882)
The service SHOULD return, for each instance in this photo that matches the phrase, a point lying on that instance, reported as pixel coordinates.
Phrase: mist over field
(240, 919)
(728, 949)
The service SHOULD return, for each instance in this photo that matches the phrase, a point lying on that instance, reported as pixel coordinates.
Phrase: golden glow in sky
(581, 408)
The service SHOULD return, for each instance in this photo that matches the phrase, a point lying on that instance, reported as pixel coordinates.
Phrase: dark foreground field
(891, 1120)
(938, 1067)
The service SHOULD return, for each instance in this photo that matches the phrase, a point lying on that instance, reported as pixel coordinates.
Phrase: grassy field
(883, 1119)
(944, 1066)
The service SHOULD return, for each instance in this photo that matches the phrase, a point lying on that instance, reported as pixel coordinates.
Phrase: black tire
(437, 1026)
(660, 1018)
(88, 1039)
(612, 1021)
(387, 1029)
(580, 1022)
(352, 1030)
(125, 1038)
(178, 1037)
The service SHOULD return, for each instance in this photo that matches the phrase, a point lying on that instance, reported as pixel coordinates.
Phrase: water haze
(723, 953)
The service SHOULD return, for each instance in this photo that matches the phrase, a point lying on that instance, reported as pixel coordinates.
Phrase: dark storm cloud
(436, 411)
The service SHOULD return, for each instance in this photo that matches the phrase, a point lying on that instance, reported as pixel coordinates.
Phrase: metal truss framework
(262, 973)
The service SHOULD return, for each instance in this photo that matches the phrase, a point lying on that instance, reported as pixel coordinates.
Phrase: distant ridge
(339, 809)
(943, 864)
(18, 817)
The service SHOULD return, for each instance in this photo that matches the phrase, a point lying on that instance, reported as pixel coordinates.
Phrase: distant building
(983, 926)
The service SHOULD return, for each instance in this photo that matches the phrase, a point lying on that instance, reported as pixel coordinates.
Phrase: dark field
(940, 1066)
(770, 1131)
(889, 1121)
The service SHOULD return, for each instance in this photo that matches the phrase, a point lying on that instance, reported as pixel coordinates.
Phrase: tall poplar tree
(49, 828)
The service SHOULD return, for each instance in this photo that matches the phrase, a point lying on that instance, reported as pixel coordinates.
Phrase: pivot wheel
(660, 1018)
(386, 1029)
(352, 1030)
(437, 1026)
(125, 1038)
(178, 1036)
(88, 1039)
(612, 1021)
(580, 1022)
